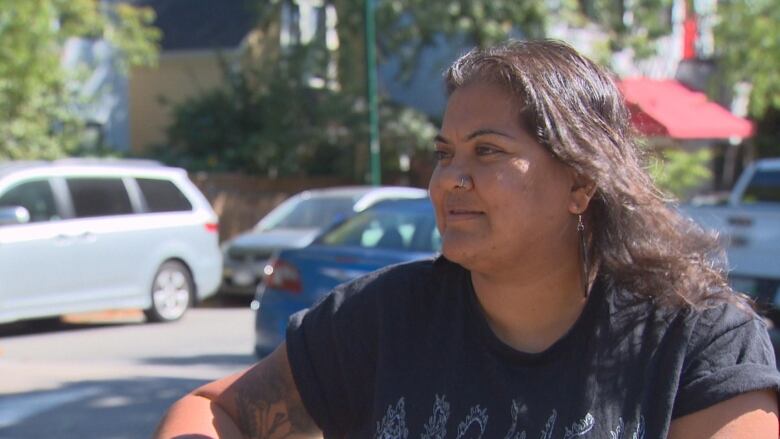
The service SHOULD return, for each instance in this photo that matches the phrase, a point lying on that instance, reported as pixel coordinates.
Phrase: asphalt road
(110, 376)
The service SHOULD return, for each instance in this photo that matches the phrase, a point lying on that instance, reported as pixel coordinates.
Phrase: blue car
(387, 233)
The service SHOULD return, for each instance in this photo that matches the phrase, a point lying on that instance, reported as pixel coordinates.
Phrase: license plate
(243, 278)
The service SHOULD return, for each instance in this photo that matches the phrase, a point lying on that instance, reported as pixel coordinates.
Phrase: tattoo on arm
(269, 405)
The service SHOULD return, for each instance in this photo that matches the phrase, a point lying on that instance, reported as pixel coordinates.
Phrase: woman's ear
(582, 192)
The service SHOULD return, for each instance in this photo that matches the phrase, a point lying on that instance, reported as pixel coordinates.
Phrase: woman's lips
(463, 214)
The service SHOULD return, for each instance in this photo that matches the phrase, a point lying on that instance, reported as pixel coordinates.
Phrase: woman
(569, 300)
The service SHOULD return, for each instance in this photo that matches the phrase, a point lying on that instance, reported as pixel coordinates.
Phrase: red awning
(667, 108)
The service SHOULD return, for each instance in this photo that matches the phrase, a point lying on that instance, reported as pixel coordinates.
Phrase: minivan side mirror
(10, 215)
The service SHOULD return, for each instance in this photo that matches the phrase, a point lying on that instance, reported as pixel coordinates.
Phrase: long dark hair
(573, 107)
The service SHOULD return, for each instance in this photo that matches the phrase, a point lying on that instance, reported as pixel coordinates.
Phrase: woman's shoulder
(724, 319)
(728, 323)
(732, 307)
(728, 352)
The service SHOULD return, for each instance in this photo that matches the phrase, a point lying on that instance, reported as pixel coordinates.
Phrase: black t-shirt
(406, 352)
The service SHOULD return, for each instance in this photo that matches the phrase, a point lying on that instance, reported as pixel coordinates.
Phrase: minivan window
(163, 196)
(36, 196)
(99, 197)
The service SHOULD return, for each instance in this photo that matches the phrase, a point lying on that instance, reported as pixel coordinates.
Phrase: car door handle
(741, 221)
(67, 238)
(87, 236)
(63, 239)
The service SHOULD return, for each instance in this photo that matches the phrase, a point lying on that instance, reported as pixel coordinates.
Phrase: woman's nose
(453, 177)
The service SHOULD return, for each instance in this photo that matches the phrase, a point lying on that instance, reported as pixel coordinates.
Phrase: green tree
(747, 39)
(269, 121)
(37, 95)
(677, 172)
(309, 128)
(264, 120)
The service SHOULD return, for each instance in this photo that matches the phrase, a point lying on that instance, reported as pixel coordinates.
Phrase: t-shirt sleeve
(331, 348)
(729, 353)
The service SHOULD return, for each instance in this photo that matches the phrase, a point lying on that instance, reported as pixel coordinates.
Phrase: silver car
(294, 224)
(91, 235)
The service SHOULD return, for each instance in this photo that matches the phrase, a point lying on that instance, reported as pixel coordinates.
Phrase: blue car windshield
(307, 213)
(410, 231)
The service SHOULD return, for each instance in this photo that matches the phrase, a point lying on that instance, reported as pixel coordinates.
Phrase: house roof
(666, 108)
(202, 24)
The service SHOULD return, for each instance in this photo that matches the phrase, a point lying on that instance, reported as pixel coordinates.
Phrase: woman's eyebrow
(480, 132)
(488, 132)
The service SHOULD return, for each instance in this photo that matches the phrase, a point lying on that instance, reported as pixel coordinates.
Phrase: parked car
(748, 222)
(388, 233)
(294, 224)
(87, 235)
(749, 225)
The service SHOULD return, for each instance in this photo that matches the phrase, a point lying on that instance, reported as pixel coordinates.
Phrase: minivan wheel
(172, 292)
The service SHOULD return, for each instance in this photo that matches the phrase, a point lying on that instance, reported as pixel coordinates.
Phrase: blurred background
(260, 100)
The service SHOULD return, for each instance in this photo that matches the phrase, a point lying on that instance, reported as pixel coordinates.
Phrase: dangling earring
(583, 255)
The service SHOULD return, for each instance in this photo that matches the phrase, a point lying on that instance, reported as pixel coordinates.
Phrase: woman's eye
(439, 154)
(486, 150)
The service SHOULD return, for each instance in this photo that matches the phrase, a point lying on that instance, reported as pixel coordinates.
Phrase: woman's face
(516, 209)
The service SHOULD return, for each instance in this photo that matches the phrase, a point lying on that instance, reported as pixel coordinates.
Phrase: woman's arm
(753, 415)
(262, 402)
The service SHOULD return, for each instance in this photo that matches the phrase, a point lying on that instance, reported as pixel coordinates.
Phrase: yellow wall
(179, 75)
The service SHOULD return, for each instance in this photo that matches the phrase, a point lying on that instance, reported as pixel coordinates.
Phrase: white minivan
(88, 235)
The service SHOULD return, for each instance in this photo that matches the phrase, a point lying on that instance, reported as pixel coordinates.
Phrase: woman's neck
(531, 311)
